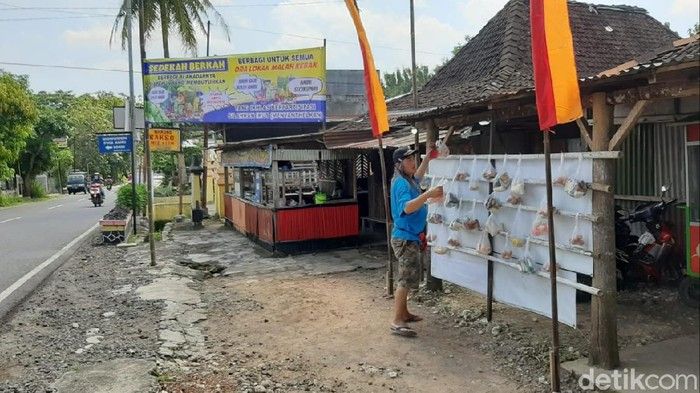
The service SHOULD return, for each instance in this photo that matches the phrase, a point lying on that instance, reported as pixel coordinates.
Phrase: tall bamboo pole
(387, 213)
(554, 353)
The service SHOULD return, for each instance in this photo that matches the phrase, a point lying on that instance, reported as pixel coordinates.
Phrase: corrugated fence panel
(654, 155)
(636, 164)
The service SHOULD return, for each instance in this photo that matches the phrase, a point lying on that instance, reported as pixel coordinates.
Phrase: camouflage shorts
(407, 253)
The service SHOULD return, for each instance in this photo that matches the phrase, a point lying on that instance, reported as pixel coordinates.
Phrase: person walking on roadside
(409, 214)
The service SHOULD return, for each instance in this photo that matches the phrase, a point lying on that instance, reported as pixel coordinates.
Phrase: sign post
(114, 142)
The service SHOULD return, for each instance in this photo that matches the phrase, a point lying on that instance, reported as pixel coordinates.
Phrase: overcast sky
(76, 33)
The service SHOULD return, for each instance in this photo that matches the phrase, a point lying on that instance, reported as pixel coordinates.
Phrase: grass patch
(10, 200)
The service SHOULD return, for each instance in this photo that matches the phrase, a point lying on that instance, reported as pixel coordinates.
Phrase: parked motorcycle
(96, 194)
(650, 257)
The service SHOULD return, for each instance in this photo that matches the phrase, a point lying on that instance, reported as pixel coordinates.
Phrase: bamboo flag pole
(554, 353)
(387, 214)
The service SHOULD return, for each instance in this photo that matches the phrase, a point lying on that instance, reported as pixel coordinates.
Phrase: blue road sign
(114, 143)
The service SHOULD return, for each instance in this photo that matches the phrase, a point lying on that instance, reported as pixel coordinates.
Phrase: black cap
(400, 154)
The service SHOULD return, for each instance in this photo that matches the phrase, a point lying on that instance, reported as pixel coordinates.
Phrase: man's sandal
(403, 331)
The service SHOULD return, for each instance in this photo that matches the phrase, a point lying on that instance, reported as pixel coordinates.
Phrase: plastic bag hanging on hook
(561, 178)
(472, 223)
(507, 252)
(492, 203)
(527, 265)
(490, 172)
(457, 224)
(491, 226)
(574, 186)
(433, 184)
(502, 180)
(473, 180)
(517, 189)
(515, 239)
(451, 198)
(461, 174)
(576, 239)
(453, 240)
(484, 245)
(440, 250)
(540, 227)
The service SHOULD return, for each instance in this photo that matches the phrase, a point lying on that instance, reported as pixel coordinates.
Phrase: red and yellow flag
(375, 95)
(556, 84)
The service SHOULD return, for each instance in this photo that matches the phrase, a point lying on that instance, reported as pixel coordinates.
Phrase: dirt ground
(331, 333)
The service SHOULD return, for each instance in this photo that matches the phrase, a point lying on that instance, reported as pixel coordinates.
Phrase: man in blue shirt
(409, 213)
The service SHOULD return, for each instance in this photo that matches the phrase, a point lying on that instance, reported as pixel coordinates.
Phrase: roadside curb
(27, 284)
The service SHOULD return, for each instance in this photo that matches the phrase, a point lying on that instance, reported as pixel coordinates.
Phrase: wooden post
(205, 168)
(603, 350)
(226, 182)
(554, 352)
(387, 213)
(149, 199)
(431, 283)
(181, 179)
(489, 263)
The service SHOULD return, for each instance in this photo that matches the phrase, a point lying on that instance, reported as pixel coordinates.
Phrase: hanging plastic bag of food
(472, 223)
(490, 172)
(515, 239)
(473, 180)
(453, 240)
(527, 265)
(451, 198)
(491, 226)
(492, 203)
(574, 186)
(457, 224)
(442, 149)
(561, 178)
(430, 238)
(484, 245)
(542, 211)
(502, 180)
(507, 252)
(517, 188)
(435, 218)
(461, 174)
(576, 239)
(540, 227)
(440, 250)
(434, 183)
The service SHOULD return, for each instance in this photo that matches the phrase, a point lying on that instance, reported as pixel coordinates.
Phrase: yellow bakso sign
(164, 139)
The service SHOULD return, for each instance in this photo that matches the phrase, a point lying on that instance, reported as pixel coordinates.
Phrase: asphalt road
(33, 232)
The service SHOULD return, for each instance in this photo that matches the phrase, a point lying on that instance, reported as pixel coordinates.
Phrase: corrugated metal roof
(402, 138)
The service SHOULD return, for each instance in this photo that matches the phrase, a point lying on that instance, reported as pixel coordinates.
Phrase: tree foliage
(38, 155)
(17, 116)
(695, 30)
(400, 81)
(183, 16)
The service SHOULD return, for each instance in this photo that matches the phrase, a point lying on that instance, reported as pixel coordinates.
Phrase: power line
(55, 18)
(64, 67)
(20, 8)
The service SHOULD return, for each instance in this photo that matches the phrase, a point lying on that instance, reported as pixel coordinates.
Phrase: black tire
(689, 291)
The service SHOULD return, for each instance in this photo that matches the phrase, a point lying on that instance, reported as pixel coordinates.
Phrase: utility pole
(205, 148)
(130, 118)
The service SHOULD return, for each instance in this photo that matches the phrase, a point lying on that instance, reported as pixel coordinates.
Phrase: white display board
(459, 260)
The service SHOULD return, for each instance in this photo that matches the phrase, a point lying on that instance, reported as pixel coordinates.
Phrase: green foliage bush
(165, 191)
(9, 200)
(124, 197)
(36, 190)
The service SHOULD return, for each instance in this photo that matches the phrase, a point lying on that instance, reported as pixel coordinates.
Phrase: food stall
(291, 199)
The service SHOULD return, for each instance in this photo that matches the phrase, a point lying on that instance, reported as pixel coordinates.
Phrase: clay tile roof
(497, 61)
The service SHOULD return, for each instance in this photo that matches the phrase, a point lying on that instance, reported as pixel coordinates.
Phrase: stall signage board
(164, 139)
(270, 87)
(61, 143)
(463, 265)
(114, 143)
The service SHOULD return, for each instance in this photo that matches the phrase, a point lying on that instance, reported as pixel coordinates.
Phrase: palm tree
(182, 15)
